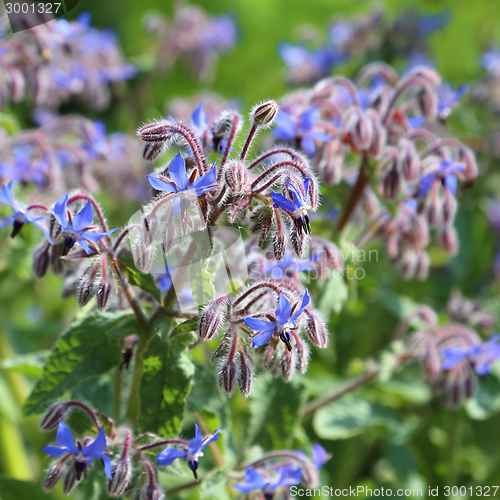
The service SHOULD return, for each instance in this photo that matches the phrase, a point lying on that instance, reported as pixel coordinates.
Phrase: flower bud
(41, 260)
(428, 102)
(298, 240)
(153, 149)
(103, 293)
(379, 138)
(302, 356)
(53, 416)
(121, 472)
(449, 207)
(408, 160)
(212, 319)
(449, 239)
(423, 264)
(310, 476)
(265, 113)
(223, 128)
(227, 376)
(70, 481)
(428, 74)
(358, 129)
(409, 264)
(288, 364)
(245, 379)
(466, 156)
(143, 256)
(392, 184)
(316, 329)
(279, 246)
(236, 176)
(150, 492)
(54, 473)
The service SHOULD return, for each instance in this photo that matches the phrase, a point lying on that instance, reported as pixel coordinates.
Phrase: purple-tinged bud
(264, 114)
(223, 127)
(53, 416)
(370, 202)
(227, 376)
(419, 233)
(429, 74)
(330, 167)
(449, 239)
(408, 160)
(55, 260)
(245, 379)
(41, 260)
(392, 184)
(159, 131)
(212, 318)
(70, 481)
(236, 176)
(288, 364)
(265, 226)
(358, 129)
(54, 473)
(153, 149)
(428, 102)
(423, 263)
(103, 293)
(298, 240)
(433, 211)
(121, 472)
(143, 256)
(310, 476)
(449, 207)
(466, 156)
(279, 246)
(379, 139)
(86, 286)
(316, 328)
(302, 356)
(150, 492)
(409, 264)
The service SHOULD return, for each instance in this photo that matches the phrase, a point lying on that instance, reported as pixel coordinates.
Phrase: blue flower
(298, 207)
(83, 456)
(96, 143)
(287, 475)
(434, 22)
(199, 119)
(283, 323)
(78, 229)
(24, 169)
(446, 173)
(289, 128)
(181, 183)
(191, 453)
(21, 215)
(490, 61)
(481, 356)
(448, 99)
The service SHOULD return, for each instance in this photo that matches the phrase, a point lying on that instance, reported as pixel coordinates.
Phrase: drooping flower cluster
(374, 135)
(194, 36)
(77, 60)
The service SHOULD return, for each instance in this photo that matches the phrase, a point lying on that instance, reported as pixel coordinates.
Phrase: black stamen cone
(17, 226)
(79, 468)
(193, 465)
(285, 337)
(69, 243)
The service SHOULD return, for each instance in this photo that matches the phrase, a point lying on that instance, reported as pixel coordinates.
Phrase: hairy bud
(358, 128)
(279, 246)
(449, 239)
(265, 113)
(302, 356)
(54, 473)
(245, 379)
(423, 263)
(227, 376)
(212, 319)
(53, 416)
(236, 176)
(316, 329)
(103, 293)
(428, 102)
(70, 481)
(41, 260)
(288, 364)
(408, 160)
(392, 184)
(449, 207)
(121, 472)
(150, 492)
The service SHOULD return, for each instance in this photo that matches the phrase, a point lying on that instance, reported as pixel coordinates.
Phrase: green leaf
(165, 385)
(332, 296)
(275, 407)
(144, 281)
(27, 364)
(12, 489)
(215, 485)
(87, 349)
(352, 415)
(486, 401)
(190, 325)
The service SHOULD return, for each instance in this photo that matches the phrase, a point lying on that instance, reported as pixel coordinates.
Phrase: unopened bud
(265, 113)
(316, 329)
(288, 364)
(428, 74)
(227, 376)
(379, 138)
(223, 127)
(279, 246)
(103, 293)
(212, 319)
(121, 472)
(245, 379)
(41, 260)
(466, 156)
(392, 184)
(236, 176)
(428, 102)
(150, 492)
(143, 256)
(409, 264)
(358, 128)
(408, 160)
(310, 477)
(55, 414)
(54, 473)
(449, 207)
(153, 149)
(298, 240)
(302, 356)
(419, 233)
(423, 264)
(70, 481)
(449, 239)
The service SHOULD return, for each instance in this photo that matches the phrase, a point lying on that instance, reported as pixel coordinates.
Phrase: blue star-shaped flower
(289, 128)
(481, 356)
(298, 207)
(181, 183)
(283, 323)
(83, 456)
(448, 98)
(288, 263)
(287, 475)
(446, 173)
(79, 228)
(20, 216)
(191, 453)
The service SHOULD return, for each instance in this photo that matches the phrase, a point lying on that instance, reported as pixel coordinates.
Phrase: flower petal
(107, 464)
(83, 218)
(161, 185)
(304, 303)
(204, 182)
(261, 339)
(6, 195)
(168, 455)
(177, 172)
(60, 212)
(283, 202)
(309, 119)
(450, 181)
(64, 438)
(259, 325)
(196, 443)
(54, 451)
(426, 183)
(211, 439)
(283, 311)
(307, 144)
(199, 118)
(98, 446)
(253, 481)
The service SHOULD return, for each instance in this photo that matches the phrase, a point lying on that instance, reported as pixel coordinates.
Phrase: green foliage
(166, 383)
(87, 349)
(144, 281)
(12, 489)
